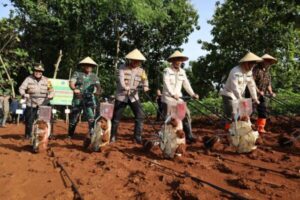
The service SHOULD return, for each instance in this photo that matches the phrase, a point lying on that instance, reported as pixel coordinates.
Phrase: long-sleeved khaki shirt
(237, 82)
(36, 88)
(132, 78)
(173, 81)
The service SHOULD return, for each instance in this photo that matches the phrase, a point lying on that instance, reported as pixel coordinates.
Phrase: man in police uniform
(174, 78)
(131, 76)
(36, 88)
(239, 78)
(262, 79)
(84, 84)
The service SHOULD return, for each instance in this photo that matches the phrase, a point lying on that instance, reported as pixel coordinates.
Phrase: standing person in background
(239, 78)
(1, 107)
(262, 79)
(5, 108)
(174, 79)
(131, 76)
(14, 105)
(84, 84)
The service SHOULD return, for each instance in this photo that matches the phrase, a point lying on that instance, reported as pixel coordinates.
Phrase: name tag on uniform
(19, 111)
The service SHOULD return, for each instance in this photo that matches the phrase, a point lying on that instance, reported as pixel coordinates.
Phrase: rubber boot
(91, 127)
(261, 123)
(138, 128)
(28, 132)
(114, 129)
(87, 142)
(71, 131)
(188, 132)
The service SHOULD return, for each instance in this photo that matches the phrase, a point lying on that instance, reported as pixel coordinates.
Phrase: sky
(192, 49)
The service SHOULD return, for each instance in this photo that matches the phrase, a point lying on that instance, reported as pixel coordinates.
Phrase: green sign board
(63, 94)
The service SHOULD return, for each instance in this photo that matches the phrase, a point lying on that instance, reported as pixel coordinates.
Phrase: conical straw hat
(251, 57)
(177, 54)
(268, 57)
(135, 55)
(88, 61)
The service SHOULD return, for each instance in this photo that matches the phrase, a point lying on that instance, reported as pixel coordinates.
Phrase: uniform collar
(131, 68)
(175, 70)
(34, 78)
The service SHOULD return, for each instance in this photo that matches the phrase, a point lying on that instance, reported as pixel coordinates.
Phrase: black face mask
(38, 79)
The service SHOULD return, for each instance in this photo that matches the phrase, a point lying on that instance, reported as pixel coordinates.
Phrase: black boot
(114, 129)
(28, 131)
(188, 132)
(71, 131)
(138, 128)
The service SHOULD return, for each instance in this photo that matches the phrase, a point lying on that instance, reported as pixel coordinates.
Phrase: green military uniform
(85, 101)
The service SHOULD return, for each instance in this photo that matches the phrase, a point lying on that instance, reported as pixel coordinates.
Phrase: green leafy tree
(13, 57)
(260, 26)
(105, 30)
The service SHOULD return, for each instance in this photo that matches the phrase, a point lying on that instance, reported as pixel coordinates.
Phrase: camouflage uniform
(263, 81)
(85, 101)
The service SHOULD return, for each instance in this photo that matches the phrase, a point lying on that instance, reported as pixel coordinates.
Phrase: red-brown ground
(127, 174)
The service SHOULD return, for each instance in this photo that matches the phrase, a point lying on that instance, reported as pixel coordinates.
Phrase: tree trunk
(117, 52)
(56, 65)
(97, 70)
(70, 73)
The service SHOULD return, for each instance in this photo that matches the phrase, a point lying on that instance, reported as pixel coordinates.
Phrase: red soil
(123, 171)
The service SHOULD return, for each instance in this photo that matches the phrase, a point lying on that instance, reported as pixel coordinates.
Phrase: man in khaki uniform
(174, 79)
(36, 88)
(239, 78)
(131, 76)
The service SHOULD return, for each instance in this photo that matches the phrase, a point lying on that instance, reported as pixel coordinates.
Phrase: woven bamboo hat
(268, 57)
(251, 57)
(177, 55)
(135, 55)
(88, 61)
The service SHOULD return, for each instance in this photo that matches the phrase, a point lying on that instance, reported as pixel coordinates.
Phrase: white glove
(196, 96)
(176, 96)
(256, 101)
(22, 101)
(273, 94)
